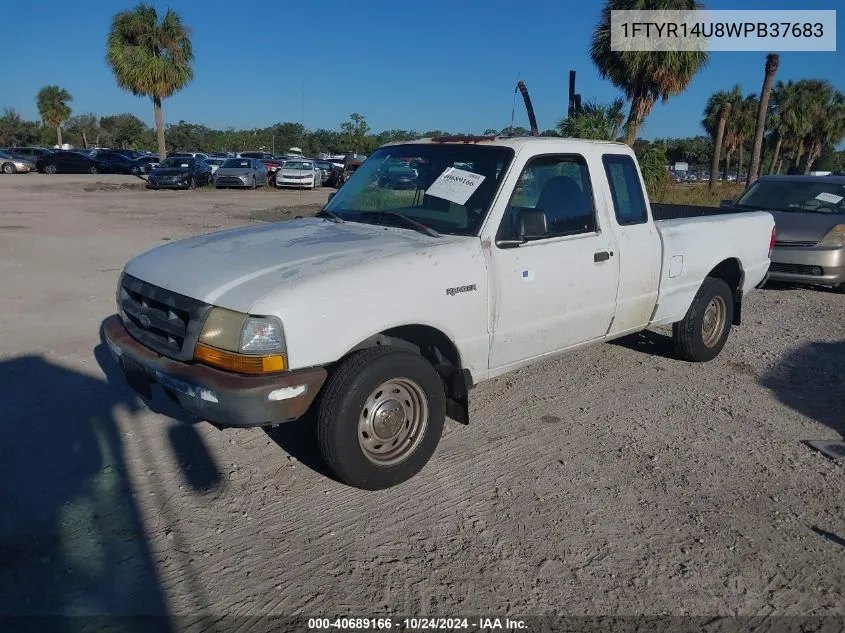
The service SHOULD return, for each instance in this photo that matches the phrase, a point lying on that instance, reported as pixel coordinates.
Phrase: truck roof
(515, 142)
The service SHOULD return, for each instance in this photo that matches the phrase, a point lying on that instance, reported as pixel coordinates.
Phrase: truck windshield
(448, 187)
(817, 195)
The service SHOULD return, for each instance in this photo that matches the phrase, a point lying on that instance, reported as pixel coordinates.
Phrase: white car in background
(299, 173)
(215, 163)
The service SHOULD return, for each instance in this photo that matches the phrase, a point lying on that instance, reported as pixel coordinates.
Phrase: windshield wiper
(330, 215)
(409, 222)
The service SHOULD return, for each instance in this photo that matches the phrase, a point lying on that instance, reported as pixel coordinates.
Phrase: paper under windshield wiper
(409, 222)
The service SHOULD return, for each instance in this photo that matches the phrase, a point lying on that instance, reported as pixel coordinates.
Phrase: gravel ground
(615, 480)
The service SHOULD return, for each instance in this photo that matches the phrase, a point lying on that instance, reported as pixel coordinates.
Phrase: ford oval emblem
(144, 320)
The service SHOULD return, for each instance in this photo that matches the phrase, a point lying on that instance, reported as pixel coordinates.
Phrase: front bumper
(221, 397)
(168, 185)
(811, 265)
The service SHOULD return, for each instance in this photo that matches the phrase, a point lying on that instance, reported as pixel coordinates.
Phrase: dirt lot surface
(613, 480)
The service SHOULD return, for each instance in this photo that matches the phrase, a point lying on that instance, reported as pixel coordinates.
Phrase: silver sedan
(11, 165)
(241, 172)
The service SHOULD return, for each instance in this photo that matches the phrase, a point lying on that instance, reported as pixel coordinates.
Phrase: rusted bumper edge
(220, 397)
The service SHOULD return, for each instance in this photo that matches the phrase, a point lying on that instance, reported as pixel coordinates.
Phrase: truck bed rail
(664, 211)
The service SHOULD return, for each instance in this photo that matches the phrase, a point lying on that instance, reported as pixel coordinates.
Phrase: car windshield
(323, 164)
(237, 163)
(797, 196)
(451, 188)
(176, 162)
(215, 161)
(298, 164)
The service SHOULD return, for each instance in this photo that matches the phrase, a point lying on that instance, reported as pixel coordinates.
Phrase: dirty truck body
(379, 315)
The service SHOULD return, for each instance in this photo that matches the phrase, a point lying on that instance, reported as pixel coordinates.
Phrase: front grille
(164, 321)
(794, 244)
(796, 269)
(229, 181)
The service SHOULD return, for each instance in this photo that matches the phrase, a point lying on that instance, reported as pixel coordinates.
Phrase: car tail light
(772, 242)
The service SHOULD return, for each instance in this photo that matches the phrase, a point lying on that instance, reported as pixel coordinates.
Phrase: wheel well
(730, 271)
(440, 351)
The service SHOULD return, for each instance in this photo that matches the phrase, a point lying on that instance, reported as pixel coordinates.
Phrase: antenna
(513, 105)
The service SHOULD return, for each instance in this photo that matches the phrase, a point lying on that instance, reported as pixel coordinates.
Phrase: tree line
(789, 127)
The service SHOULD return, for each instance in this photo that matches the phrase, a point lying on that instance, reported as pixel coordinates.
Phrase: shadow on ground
(811, 381)
(71, 537)
(648, 342)
(299, 440)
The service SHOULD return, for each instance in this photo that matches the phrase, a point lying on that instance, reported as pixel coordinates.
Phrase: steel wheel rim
(8, 168)
(393, 421)
(713, 321)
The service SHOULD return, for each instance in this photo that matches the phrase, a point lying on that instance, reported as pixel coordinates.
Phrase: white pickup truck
(441, 263)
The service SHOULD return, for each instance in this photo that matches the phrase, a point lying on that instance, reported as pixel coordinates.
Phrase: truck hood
(235, 268)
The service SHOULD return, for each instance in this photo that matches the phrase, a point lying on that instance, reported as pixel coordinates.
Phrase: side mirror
(332, 195)
(532, 224)
(726, 204)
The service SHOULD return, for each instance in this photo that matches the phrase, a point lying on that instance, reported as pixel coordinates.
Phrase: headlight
(242, 343)
(835, 238)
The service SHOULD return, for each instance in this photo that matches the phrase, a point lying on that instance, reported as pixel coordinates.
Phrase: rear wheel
(134, 170)
(702, 333)
(380, 417)
(9, 168)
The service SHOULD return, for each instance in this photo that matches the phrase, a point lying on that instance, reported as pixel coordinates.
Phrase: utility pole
(574, 99)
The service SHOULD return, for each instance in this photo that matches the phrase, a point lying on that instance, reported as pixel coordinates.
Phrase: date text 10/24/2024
(416, 624)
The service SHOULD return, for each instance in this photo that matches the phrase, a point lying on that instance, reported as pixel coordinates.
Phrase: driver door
(558, 289)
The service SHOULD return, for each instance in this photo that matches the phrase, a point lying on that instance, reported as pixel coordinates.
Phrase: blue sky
(432, 64)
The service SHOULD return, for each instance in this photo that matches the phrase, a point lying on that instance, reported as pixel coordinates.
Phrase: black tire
(193, 183)
(134, 170)
(9, 168)
(342, 404)
(693, 338)
(840, 288)
(93, 170)
(50, 169)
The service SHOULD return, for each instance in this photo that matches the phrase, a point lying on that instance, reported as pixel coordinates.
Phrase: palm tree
(711, 122)
(150, 58)
(716, 114)
(789, 119)
(772, 63)
(53, 108)
(644, 76)
(595, 121)
(826, 113)
(745, 120)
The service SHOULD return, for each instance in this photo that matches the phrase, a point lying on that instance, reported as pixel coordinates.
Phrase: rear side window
(625, 187)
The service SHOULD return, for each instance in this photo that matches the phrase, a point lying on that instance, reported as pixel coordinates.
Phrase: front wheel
(193, 183)
(253, 183)
(50, 169)
(93, 170)
(702, 333)
(380, 417)
(9, 168)
(134, 170)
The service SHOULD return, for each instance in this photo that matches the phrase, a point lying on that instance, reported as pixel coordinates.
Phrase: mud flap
(458, 409)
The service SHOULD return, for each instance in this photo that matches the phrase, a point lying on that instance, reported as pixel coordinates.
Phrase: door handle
(602, 256)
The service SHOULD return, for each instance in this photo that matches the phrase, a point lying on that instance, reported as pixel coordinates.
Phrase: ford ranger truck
(378, 315)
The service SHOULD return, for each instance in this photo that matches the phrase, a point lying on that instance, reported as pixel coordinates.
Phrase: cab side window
(625, 187)
(559, 186)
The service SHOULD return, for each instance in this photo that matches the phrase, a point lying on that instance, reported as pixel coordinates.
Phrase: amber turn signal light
(240, 363)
